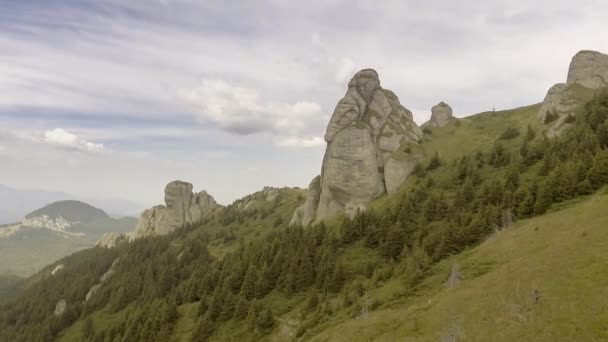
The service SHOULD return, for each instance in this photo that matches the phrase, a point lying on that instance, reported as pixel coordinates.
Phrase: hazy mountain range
(16, 203)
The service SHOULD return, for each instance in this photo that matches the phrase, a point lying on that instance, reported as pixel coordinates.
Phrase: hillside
(72, 211)
(385, 264)
(487, 204)
(52, 232)
(544, 279)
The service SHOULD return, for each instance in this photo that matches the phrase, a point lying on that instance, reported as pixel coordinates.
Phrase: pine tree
(544, 199)
(241, 310)
(248, 287)
(204, 329)
(264, 322)
(434, 163)
(598, 173)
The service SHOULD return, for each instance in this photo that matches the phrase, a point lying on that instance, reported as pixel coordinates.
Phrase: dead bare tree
(455, 277)
(507, 218)
(453, 332)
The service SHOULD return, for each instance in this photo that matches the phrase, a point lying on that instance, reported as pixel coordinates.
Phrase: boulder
(588, 73)
(369, 133)
(182, 208)
(441, 115)
(60, 308)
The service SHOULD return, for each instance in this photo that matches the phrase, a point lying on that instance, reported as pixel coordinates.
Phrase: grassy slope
(562, 255)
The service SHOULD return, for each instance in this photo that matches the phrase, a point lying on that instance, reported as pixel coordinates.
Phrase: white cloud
(61, 138)
(242, 111)
(299, 142)
(345, 69)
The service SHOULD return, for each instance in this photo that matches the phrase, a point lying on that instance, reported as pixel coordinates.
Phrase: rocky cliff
(441, 115)
(182, 208)
(371, 149)
(588, 72)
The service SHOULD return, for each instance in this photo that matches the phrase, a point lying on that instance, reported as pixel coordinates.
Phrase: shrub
(427, 130)
(510, 133)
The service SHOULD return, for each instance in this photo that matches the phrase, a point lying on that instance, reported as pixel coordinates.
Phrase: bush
(427, 130)
(510, 133)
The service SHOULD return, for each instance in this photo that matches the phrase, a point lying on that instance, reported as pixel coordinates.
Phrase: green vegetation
(244, 275)
(28, 251)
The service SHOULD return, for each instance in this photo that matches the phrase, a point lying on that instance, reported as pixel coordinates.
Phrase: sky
(117, 98)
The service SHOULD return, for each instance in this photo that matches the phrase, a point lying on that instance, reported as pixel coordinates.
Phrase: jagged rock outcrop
(60, 308)
(95, 288)
(305, 214)
(441, 115)
(109, 240)
(371, 149)
(259, 199)
(56, 269)
(182, 208)
(588, 72)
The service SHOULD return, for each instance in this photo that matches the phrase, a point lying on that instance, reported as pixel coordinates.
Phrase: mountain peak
(70, 210)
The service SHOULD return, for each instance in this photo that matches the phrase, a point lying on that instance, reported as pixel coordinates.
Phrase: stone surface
(441, 115)
(588, 72)
(589, 69)
(95, 288)
(368, 132)
(109, 240)
(57, 269)
(305, 214)
(182, 208)
(60, 308)
(259, 199)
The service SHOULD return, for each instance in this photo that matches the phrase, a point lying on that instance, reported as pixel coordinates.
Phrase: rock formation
(109, 240)
(371, 149)
(57, 269)
(60, 308)
(93, 290)
(305, 214)
(259, 199)
(182, 208)
(441, 115)
(588, 72)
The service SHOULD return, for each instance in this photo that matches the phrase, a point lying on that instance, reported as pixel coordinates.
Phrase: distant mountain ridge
(15, 203)
(54, 231)
(70, 210)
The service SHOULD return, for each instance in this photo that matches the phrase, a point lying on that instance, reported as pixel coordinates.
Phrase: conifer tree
(248, 287)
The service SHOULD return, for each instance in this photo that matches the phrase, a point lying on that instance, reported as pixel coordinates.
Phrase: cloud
(61, 138)
(300, 142)
(346, 68)
(242, 111)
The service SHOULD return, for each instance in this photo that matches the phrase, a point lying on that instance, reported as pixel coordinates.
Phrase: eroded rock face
(306, 213)
(441, 115)
(588, 72)
(182, 208)
(60, 308)
(109, 240)
(369, 133)
(589, 69)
